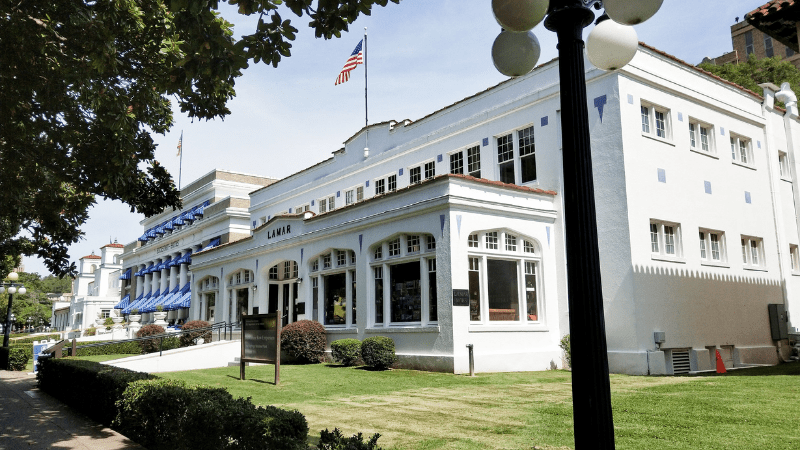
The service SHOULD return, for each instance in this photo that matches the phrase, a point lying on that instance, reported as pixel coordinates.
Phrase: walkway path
(31, 419)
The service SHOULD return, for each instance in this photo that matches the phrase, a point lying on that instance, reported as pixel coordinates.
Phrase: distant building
(95, 291)
(748, 39)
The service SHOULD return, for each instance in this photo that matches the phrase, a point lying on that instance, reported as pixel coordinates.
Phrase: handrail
(216, 326)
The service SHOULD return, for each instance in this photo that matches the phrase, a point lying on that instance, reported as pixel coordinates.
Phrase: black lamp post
(610, 47)
(12, 288)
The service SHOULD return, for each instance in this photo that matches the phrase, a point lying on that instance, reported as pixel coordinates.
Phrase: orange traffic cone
(720, 364)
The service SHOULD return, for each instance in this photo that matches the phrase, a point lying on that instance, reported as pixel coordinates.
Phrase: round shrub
(304, 341)
(565, 345)
(189, 338)
(378, 352)
(346, 351)
(149, 345)
(17, 359)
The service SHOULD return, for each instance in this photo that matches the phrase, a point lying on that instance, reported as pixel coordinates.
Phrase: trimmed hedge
(29, 340)
(17, 359)
(335, 440)
(188, 339)
(346, 351)
(378, 352)
(121, 348)
(304, 340)
(87, 386)
(171, 415)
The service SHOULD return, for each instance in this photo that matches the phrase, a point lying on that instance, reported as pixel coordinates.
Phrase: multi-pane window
(323, 205)
(511, 242)
(794, 258)
(700, 136)
(349, 197)
(415, 175)
(474, 161)
(391, 183)
(326, 261)
(491, 240)
(430, 170)
(341, 258)
(748, 43)
(331, 203)
(472, 240)
(665, 240)
(380, 186)
(712, 248)
(433, 313)
(431, 243)
(457, 163)
(394, 247)
(287, 269)
(505, 158)
(655, 121)
(752, 251)
(315, 265)
(273, 272)
(740, 150)
(789, 52)
(768, 49)
(378, 252)
(528, 247)
(352, 258)
(505, 286)
(413, 243)
(527, 154)
(359, 193)
(378, 279)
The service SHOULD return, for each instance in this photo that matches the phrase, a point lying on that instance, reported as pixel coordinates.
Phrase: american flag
(356, 58)
(180, 144)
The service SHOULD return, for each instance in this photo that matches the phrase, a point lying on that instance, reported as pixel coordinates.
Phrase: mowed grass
(746, 409)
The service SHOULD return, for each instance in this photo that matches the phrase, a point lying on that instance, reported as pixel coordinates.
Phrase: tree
(34, 303)
(84, 83)
(755, 71)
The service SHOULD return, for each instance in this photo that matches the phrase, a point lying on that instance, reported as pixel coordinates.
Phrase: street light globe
(12, 290)
(519, 15)
(22, 290)
(13, 276)
(629, 12)
(611, 45)
(515, 54)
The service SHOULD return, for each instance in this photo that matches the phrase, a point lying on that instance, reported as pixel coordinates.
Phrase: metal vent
(680, 361)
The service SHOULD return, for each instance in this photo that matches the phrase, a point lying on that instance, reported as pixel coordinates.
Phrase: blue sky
(422, 55)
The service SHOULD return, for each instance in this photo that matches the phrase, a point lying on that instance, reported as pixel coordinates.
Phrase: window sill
(404, 329)
(333, 329)
(741, 164)
(659, 139)
(674, 259)
(511, 327)
(709, 153)
(796, 274)
(715, 264)
(786, 179)
(756, 268)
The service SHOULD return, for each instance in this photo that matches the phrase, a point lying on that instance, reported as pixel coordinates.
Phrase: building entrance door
(242, 298)
(210, 306)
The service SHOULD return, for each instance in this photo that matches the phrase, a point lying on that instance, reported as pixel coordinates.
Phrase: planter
(159, 318)
(135, 317)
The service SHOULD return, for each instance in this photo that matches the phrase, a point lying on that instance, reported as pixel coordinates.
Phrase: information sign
(261, 342)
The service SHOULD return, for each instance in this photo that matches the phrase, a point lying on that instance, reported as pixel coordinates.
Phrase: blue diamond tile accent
(630, 99)
(438, 158)
(545, 120)
(680, 117)
(400, 172)
(366, 183)
(722, 131)
(662, 176)
(707, 186)
(747, 198)
(485, 142)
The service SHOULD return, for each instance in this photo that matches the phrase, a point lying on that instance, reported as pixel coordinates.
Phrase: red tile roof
(770, 8)
(92, 256)
(115, 245)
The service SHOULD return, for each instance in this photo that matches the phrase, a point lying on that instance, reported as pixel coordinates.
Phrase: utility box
(778, 321)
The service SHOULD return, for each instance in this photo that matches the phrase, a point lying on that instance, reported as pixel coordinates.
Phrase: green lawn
(746, 409)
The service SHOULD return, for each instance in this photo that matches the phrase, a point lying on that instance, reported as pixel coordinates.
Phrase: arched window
(403, 280)
(333, 287)
(504, 277)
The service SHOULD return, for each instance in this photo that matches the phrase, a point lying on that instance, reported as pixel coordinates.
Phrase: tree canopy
(755, 71)
(34, 303)
(83, 84)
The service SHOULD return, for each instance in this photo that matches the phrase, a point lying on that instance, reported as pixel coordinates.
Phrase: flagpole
(366, 105)
(180, 164)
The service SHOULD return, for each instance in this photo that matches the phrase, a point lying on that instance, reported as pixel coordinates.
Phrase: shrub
(91, 331)
(169, 414)
(112, 348)
(189, 338)
(89, 387)
(378, 352)
(334, 440)
(149, 345)
(304, 340)
(346, 351)
(17, 359)
(565, 345)
(108, 322)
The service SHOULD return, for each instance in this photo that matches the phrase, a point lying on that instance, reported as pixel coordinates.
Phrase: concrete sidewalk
(31, 419)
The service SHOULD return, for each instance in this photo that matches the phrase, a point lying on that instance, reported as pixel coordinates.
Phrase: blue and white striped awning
(134, 304)
(126, 275)
(164, 264)
(186, 258)
(214, 242)
(124, 302)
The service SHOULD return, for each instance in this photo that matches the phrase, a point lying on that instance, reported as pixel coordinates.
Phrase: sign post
(261, 342)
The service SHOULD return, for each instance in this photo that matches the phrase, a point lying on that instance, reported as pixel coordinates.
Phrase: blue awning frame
(189, 214)
(126, 275)
(124, 302)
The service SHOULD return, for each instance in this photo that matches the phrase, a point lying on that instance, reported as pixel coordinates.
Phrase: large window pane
(474, 289)
(335, 299)
(530, 291)
(503, 290)
(378, 271)
(432, 305)
(406, 301)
